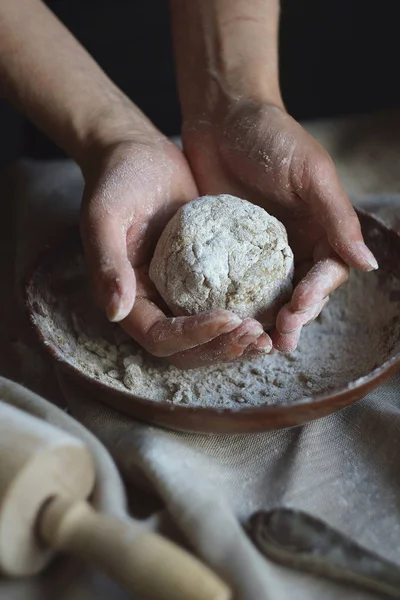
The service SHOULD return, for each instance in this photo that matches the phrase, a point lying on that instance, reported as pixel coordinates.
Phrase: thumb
(111, 273)
(334, 210)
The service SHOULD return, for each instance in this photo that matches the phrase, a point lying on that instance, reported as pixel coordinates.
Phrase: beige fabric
(343, 468)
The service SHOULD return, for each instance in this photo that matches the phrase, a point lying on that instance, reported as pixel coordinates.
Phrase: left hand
(258, 152)
(132, 190)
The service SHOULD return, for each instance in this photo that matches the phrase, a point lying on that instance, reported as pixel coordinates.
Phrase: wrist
(221, 92)
(227, 101)
(225, 51)
(112, 129)
(46, 73)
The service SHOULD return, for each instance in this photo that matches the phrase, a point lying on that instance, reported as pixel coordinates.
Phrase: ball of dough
(223, 252)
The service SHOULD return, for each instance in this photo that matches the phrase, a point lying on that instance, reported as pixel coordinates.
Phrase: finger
(321, 280)
(163, 336)
(289, 321)
(287, 342)
(111, 273)
(301, 271)
(318, 312)
(335, 212)
(262, 346)
(225, 348)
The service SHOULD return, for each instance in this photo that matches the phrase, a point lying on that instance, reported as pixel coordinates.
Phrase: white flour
(357, 331)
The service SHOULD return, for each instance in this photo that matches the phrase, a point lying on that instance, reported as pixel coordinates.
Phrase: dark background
(337, 57)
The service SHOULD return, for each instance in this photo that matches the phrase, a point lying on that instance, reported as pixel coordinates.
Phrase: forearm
(47, 74)
(225, 48)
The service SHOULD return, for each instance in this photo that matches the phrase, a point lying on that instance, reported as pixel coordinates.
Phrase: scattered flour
(224, 252)
(358, 331)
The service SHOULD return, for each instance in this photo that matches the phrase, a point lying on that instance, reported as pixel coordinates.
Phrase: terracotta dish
(384, 242)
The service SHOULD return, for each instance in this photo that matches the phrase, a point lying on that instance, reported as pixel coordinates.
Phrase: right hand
(132, 190)
(257, 151)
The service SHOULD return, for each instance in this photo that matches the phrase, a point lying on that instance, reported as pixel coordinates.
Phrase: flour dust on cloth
(343, 468)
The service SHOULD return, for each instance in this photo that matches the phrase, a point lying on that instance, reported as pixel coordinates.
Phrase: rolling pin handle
(141, 561)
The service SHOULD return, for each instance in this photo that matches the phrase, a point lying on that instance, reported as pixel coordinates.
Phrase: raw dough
(223, 252)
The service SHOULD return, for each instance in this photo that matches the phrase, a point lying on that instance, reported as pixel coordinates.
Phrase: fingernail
(235, 320)
(230, 324)
(250, 336)
(115, 312)
(263, 344)
(292, 347)
(367, 255)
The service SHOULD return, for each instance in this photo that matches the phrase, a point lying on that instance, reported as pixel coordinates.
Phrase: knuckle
(299, 298)
(319, 172)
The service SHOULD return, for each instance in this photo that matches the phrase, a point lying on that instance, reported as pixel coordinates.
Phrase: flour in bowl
(357, 331)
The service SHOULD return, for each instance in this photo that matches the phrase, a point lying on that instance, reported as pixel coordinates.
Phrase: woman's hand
(136, 179)
(258, 152)
(132, 190)
(239, 139)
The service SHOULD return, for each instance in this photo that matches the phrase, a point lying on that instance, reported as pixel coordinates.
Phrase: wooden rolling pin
(45, 477)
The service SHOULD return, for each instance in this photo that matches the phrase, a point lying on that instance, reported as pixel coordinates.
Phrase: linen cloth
(199, 489)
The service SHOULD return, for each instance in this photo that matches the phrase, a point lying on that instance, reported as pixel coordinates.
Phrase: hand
(132, 191)
(258, 152)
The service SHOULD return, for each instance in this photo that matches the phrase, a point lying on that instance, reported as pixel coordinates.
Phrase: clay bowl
(384, 242)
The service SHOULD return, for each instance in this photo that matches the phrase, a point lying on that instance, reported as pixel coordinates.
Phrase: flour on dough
(224, 252)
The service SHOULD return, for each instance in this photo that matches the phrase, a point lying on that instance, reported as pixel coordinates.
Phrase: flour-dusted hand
(132, 191)
(135, 180)
(240, 140)
(260, 152)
